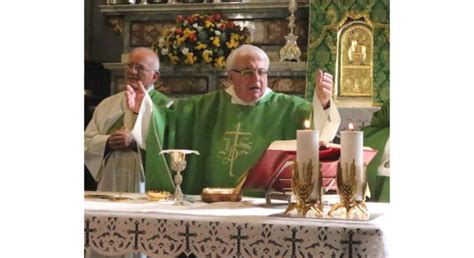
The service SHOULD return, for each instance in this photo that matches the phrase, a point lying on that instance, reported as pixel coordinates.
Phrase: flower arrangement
(207, 39)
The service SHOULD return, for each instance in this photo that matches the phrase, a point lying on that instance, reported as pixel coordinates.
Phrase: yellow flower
(234, 36)
(201, 46)
(207, 56)
(216, 41)
(220, 62)
(191, 34)
(190, 58)
(180, 40)
(174, 59)
(209, 24)
(232, 44)
(187, 31)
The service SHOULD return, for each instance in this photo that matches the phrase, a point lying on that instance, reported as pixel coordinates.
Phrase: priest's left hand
(324, 87)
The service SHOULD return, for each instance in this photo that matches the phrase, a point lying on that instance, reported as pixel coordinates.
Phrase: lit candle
(352, 142)
(306, 124)
(307, 149)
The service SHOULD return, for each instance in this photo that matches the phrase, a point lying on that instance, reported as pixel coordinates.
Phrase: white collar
(236, 100)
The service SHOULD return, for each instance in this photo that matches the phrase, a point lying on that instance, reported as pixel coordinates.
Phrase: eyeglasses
(250, 72)
(139, 68)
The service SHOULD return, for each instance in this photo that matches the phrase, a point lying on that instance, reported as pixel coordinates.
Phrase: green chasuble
(230, 137)
(161, 101)
(158, 98)
(375, 136)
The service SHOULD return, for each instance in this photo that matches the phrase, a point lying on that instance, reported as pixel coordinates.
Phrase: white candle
(307, 145)
(307, 149)
(351, 151)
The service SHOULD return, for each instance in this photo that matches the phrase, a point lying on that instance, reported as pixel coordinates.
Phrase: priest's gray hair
(154, 60)
(246, 49)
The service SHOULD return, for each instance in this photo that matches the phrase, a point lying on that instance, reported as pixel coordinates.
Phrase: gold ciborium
(349, 206)
(306, 187)
(178, 164)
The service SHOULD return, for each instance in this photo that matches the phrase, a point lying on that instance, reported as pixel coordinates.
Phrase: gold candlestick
(347, 185)
(302, 185)
(291, 51)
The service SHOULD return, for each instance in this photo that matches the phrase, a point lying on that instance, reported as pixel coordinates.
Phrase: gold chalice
(178, 164)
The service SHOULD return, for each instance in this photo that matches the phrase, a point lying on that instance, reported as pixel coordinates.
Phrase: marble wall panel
(144, 33)
(288, 85)
(183, 85)
(172, 85)
(285, 84)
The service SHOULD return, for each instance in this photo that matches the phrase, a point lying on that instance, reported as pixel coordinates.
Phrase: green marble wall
(322, 40)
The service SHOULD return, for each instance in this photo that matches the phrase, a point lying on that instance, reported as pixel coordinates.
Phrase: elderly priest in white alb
(110, 153)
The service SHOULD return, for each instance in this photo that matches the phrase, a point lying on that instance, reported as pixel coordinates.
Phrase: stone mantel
(276, 68)
(245, 9)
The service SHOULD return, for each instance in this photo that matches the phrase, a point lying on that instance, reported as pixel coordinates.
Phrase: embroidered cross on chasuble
(230, 137)
(237, 144)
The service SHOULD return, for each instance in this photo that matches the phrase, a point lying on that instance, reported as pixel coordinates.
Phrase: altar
(226, 229)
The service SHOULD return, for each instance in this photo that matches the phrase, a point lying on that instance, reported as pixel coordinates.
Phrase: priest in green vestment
(377, 136)
(230, 128)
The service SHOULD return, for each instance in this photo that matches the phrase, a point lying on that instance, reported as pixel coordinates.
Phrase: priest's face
(141, 66)
(249, 77)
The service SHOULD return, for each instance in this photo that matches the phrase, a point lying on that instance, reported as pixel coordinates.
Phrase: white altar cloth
(226, 229)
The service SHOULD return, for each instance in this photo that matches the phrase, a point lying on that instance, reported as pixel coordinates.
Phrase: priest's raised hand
(134, 95)
(324, 87)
